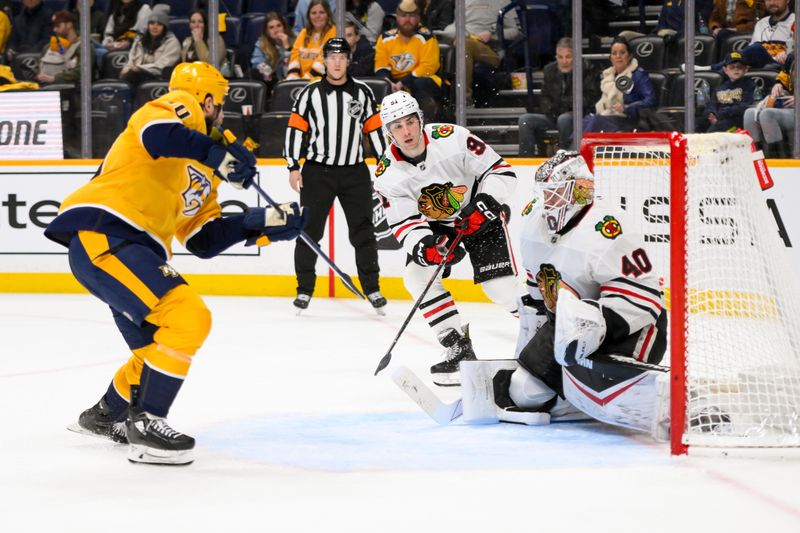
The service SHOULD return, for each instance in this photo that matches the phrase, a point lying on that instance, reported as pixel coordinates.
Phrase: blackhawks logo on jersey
(383, 164)
(442, 131)
(609, 227)
(441, 200)
(196, 193)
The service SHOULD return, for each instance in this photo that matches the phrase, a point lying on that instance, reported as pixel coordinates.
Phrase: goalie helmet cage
(734, 334)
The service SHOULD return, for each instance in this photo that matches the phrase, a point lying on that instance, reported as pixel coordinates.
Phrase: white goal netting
(742, 312)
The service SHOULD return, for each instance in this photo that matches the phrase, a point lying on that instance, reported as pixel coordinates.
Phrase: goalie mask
(566, 186)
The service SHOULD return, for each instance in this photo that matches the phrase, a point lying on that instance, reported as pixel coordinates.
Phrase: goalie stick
(409, 382)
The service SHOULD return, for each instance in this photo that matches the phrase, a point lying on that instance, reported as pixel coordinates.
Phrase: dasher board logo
(30, 125)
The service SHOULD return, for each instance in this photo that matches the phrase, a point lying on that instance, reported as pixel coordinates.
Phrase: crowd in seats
(410, 45)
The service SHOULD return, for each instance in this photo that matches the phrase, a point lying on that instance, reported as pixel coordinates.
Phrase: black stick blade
(348, 282)
(383, 362)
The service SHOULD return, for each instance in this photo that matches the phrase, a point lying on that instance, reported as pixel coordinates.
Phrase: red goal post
(734, 334)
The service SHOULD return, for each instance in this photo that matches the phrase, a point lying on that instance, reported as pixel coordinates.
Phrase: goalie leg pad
(528, 391)
(477, 389)
(580, 328)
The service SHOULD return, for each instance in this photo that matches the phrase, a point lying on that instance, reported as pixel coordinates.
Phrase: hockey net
(734, 300)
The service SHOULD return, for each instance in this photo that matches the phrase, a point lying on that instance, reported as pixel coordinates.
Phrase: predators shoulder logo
(196, 193)
(383, 164)
(441, 201)
(442, 131)
(609, 227)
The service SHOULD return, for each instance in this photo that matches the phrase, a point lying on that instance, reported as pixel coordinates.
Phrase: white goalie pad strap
(580, 329)
(529, 323)
(477, 389)
(529, 418)
(528, 391)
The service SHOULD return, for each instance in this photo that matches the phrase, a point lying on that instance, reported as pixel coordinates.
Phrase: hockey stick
(409, 382)
(384, 362)
(347, 280)
(619, 365)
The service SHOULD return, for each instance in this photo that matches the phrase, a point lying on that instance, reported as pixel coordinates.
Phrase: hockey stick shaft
(347, 280)
(384, 362)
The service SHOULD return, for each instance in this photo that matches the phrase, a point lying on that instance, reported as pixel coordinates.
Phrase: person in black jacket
(362, 60)
(732, 96)
(30, 30)
(556, 102)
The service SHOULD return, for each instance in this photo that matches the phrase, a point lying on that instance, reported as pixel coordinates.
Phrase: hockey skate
(97, 421)
(459, 348)
(378, 302)
(152, 440)
(301, 302)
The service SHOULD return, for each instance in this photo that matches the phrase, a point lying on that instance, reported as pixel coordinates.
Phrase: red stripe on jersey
(606, 288)
(646, 344)
(402, 229)
(506, 165)
(608, 399)
(435, 310)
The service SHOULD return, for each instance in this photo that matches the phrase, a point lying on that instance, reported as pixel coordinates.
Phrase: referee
(333, 114)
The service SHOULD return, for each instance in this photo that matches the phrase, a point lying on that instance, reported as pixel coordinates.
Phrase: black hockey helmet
(337, 45)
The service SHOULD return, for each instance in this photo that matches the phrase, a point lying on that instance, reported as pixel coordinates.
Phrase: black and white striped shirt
(334, 117)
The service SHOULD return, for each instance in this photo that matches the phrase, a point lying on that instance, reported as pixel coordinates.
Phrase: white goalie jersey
(457, 166)
(598, 259)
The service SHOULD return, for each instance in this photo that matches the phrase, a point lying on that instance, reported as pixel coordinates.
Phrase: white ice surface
(295, 434)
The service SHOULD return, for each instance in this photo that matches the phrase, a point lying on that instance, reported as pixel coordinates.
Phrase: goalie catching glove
(478, 214)
(283, 223)
(233, 163)
(431, 249)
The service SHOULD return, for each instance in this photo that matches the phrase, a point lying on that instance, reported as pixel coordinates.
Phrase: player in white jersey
(593, 292)
(433, 180)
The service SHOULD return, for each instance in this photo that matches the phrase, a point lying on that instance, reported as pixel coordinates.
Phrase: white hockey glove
(580, 328)
(531, 318)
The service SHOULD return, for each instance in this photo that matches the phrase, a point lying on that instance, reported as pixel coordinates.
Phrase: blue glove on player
(283, 223)
(233, 163)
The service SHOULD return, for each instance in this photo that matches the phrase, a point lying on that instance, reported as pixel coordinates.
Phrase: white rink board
(30, 194)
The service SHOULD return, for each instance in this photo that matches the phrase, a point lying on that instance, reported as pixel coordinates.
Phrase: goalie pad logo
(439, 200)
(609, 227)
(196, 193)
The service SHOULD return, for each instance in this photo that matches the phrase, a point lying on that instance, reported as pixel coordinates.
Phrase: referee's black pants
(353, 186)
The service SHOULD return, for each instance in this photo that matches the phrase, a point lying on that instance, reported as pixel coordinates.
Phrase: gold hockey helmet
(199, 79)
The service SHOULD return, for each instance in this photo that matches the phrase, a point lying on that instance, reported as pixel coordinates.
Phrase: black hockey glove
(479, 214)
(275, 224)
(431, 249)
(233, 163)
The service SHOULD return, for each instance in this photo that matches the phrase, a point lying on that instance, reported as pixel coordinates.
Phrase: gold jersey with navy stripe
(160, 198)
(417, 55)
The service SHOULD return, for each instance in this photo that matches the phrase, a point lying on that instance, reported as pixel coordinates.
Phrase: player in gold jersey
(159, 181)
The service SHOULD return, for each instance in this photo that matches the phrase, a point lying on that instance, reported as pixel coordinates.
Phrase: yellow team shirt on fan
(165, 197)
(417, 55)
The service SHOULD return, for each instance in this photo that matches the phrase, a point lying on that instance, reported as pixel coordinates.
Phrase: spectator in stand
(772, 120)
(556, 103)
(483, 45)
(301, 14)
(30, 30)
(154, 53)
(97, 20)
(270, 59)
(196, 47)
(362, 59)
(128, 19)
(61, 59)
(368, 14)
(306, 59)
(5, 24)
(438, 14)
(408, 56)
(625, 89)
(729, 100)
(731, 16)
(773, 36)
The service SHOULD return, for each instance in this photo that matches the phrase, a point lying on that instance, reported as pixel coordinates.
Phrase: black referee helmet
(337, 45)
